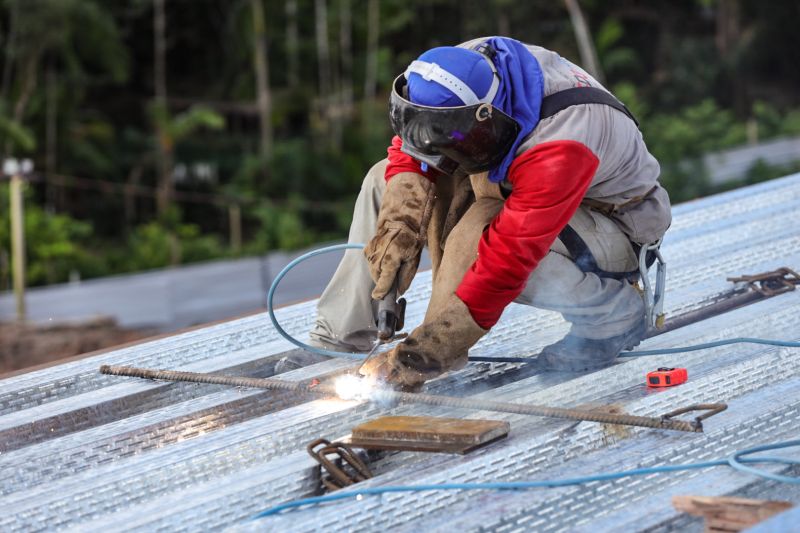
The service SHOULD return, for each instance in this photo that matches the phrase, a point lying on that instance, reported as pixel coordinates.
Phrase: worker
(528, 182)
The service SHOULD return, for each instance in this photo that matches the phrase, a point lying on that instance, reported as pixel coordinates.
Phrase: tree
(164, 142)
(261, 64)
(584, 38)
(72, 34)
(373, 32)
(172, 129)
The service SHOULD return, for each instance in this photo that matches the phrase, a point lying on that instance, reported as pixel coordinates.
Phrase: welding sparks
(350, 387)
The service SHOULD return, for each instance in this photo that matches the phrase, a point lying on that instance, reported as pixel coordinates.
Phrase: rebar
(211, 379)
(325, 389)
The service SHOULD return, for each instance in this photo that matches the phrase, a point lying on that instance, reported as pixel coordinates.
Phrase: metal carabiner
(653, 297)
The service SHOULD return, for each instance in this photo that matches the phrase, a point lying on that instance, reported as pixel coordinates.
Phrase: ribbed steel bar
(214, 379)
(325, 389)
(553, 412)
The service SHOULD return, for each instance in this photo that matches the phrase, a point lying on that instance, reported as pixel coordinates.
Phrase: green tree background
(172, 131)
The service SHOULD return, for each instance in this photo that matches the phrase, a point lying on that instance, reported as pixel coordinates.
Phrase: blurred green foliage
(55, 244)
(78, 84)
(153, 245)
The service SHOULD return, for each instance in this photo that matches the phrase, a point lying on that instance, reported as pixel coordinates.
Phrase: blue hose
(660, 351)
(714, 344)
(274, 286)
(736, 461)
(330, 353)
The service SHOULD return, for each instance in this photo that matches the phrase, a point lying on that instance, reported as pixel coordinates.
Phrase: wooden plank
(727, 514)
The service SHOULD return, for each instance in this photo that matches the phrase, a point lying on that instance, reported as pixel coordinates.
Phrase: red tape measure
(667, 377)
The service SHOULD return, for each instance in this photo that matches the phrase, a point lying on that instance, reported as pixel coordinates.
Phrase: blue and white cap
(452, 77)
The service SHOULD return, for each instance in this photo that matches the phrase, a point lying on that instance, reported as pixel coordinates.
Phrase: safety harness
(649, 253)
(575, 245)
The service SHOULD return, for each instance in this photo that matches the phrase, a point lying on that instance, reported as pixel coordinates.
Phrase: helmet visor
(465, 139)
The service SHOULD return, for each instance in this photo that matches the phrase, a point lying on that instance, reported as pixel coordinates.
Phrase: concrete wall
(733, 164)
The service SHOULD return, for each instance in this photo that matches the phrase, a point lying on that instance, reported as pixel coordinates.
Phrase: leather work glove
(394, 251)
(438, 345)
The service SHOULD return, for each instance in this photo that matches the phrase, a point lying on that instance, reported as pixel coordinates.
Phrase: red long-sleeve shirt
(549, 181)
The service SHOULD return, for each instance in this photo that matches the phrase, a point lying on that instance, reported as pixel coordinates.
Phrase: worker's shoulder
(558, 72)
(600, 127)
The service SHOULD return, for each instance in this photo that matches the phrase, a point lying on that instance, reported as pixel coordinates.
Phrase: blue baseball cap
(448, 76)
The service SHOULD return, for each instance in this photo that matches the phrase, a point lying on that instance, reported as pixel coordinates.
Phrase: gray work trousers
(597, 307)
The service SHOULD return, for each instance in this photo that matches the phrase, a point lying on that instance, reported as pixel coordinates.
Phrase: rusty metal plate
(427, 434)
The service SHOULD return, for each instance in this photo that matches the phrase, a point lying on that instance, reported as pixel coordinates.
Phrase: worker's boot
(354, 342)
(578, 354)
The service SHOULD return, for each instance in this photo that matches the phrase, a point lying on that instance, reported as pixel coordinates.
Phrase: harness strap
(575, 245)
(561, 100)
(582, 256)
(608, 209)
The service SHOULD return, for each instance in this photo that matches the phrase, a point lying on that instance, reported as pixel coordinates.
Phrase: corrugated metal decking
(92, 452)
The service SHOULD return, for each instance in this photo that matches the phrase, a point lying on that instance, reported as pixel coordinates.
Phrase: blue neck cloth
(520, 93)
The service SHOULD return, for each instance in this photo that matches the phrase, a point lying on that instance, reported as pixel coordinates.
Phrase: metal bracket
(710, 408)
(343, 465)
(771, 283)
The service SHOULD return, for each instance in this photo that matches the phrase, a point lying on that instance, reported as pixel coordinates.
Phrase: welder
(528, 182)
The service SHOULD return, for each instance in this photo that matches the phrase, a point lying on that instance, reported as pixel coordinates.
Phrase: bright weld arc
(350, 387)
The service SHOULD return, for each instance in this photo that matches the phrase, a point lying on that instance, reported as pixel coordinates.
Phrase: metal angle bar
(709, 311)
(314, 387)
(759, 287)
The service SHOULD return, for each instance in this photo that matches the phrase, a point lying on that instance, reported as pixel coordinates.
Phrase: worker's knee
(608, 244)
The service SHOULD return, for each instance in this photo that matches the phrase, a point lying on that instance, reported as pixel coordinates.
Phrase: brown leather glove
(394, 251)
(383, 368)
(438, 345)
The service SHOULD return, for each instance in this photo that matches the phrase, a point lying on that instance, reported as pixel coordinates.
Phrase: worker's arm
(549, 182)
(406, 207)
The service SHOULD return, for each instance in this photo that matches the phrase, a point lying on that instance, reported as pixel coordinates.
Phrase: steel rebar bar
(327, 389)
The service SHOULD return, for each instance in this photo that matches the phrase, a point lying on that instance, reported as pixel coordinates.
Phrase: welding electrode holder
(391, 314)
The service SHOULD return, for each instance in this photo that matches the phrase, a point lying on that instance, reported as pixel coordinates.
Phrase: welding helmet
(435, 109)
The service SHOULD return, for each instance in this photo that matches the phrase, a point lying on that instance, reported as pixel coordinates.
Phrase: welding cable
(714, 344)
(659, 351)
(274, 286)
(479, 359)
(737, 460)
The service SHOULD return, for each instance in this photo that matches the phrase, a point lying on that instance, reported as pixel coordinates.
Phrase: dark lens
(423, 136)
